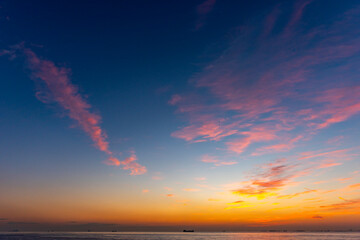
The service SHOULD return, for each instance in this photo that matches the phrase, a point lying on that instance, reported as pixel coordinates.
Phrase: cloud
(191, 190)
(145, 190)
(289, 196)
(278, 80)
(332, 154)
(281, 147)
(211, 159)
(60, 89)
(57, 87)
(214, 200)
(338, 105)
(356, 186)
(157, 176)
(131, 164)
(317, 217)
(270, 179)
(203, 10)
(236, 202)
(170, 195)
(346, 204)
(328, 164)
(256, 134)
(200, 179)
(344, 179)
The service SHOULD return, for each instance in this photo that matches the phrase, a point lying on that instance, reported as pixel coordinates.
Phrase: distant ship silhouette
(188, 230)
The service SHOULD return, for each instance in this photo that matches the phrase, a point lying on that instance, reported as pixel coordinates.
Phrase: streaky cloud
(59, 88)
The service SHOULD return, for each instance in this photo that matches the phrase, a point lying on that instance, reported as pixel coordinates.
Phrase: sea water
(180, 236)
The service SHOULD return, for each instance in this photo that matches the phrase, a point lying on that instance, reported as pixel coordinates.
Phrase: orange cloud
(271, 178)
(170, 195)
(347, 204)
(145, 190)
(289, 196)
(236, 202)
(357, 185)
(344, 179)
(191, 190)
(214, 199)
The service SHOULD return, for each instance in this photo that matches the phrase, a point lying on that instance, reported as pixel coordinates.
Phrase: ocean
(180, 236)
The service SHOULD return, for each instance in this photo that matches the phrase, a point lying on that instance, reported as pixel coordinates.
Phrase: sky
(166, 115)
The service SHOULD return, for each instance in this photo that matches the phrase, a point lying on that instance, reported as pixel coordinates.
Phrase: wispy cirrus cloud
(214, 160)
(345, 205)
(278, 79)
(289, 196)
(203, 10)
(57, 87)
(130, 164)
(191, 190)
(270, 179)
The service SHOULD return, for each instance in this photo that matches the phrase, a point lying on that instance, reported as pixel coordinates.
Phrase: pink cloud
(338, 105)
(175, 99)
(58, 88)
(157, 176)
(130, 164)
(270, 21)
(281, 147)
(257, 134)
(203, 10)
(61, 90)
(211, 159)
(336, 153)
(297, 14)
(200, 179)
(112, 161)
(273, 84)
(208, 131)
(328, 164)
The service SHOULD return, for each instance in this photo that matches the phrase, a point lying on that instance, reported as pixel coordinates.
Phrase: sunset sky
(165, 115)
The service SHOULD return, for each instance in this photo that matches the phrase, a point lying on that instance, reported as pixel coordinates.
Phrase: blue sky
(191, 104)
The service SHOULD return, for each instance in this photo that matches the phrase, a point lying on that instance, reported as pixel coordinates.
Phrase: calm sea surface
(181, 236)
